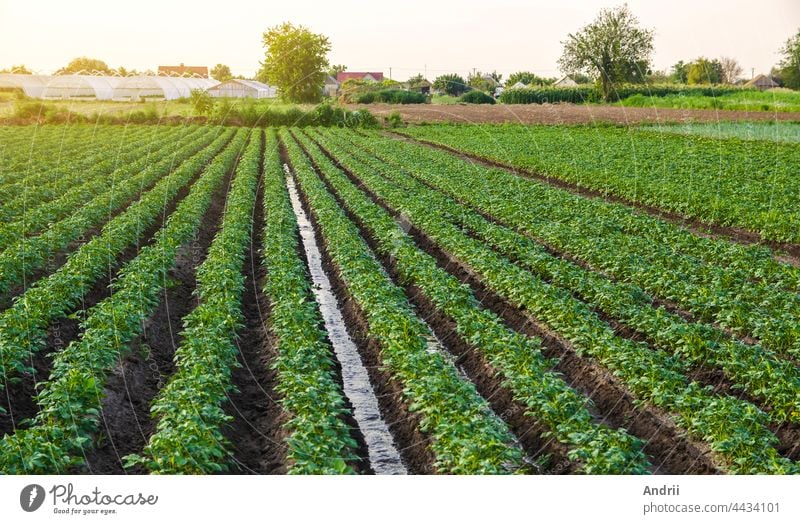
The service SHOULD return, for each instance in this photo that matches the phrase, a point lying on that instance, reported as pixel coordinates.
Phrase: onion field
(440, 300)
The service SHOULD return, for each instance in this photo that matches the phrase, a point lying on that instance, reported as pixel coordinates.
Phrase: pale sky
(410, 36)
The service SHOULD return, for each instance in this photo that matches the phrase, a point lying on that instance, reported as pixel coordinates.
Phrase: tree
(221, 73)
(452, 84)
(789, 66)
(482, 82)
(415, 80)
(528, 78)
(201, 101)
(17, 69)
(704, 71)
(295, 62)
(613, 49)
(730, 69)
(336, 69)
(84, 64)
(680, 72)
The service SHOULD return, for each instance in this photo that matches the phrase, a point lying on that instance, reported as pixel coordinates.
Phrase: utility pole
(752, 73)
(390, 73)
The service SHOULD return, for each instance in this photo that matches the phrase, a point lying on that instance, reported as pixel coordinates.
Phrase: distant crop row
(728, 182)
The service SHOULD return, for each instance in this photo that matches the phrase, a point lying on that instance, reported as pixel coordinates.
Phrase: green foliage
(789, 67)
(583, 229)
(202, 103)
(476, 97)
(394, 120)
(17, 70)
(704, 71)
(295, 62)
(452, 84)
(85, 64)
(528, 78)
(336, 69)
(613, 48)
(391, 96)
(526, 372)
(221, 73)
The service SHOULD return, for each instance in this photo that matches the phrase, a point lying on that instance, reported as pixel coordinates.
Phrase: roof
(519, 85)
(180, 70)
(348, 75)
(761, 80)
(252, 84)
(565, 81)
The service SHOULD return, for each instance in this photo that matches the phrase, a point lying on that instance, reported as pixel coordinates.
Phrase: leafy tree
(789, 66)
(453, 84)
(680, 72)
(497, 77)
(528, 78)
(613, 49)
(85, 64)
(295, 62)
(731, 70)
(17, 69)
(482, 82)
(221, 73)
(201, 101)
(579, 78)
(336, 69)
(704, 71)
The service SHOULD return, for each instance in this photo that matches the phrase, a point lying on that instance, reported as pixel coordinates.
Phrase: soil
(561, 114)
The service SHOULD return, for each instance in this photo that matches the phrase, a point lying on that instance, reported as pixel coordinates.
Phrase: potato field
(440, 299)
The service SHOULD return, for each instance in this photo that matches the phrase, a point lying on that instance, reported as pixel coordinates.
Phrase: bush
(583, 94)
(476, 97)
(394, 120)
(391, 96)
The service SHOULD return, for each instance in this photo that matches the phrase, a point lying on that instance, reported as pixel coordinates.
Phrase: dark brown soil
(562, 114)
(670, 450)
(126, 424)
(402, 423)
(788, 253)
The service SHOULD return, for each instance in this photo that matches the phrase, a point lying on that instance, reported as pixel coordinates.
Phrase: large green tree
(221, 73)
(790, 64)
(614, 49)
(528, 78)
(295, 62)
(453, 84)
(704, 71)
(85, 64)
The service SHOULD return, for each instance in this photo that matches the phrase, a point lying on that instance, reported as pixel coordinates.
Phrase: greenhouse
(238, 88)
(32, 85)
(80, 86)
(163, 87)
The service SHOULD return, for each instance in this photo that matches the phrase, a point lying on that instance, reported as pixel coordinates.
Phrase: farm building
(566, 81)
(367, 77)
(183, 70)
(518, 85)
(32, 85)
(423, 86)
(331, 87)
(238, 88)
(62, 86)
(165, 87)
(762, 82)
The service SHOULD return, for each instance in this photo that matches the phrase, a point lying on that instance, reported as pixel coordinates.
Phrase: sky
(403, 37)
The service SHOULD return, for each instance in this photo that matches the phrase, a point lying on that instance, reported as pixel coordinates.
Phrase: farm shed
(762, 82)
(367, 77)
(518, 85)
(237, 88)
(166, 87)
